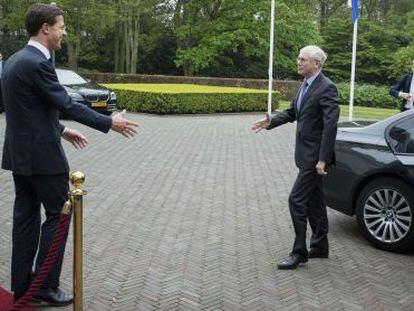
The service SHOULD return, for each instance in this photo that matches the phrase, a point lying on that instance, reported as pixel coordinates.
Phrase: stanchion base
(6, 301)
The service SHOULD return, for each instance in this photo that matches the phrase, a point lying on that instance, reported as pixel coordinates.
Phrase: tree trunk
(117, 47)
(134, 43)
(127, 50)
(72, 56)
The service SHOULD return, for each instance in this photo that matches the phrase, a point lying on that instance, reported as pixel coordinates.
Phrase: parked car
(373, 178)
(85, 92)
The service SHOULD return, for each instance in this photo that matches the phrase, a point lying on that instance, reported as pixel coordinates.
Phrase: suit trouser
(306, 203)
(31, 191)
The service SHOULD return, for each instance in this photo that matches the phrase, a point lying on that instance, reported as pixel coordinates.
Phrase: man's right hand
(406, 95)
(259, 125)
(122, 125)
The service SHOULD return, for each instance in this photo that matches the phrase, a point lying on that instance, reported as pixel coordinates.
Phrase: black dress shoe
(316, 252)
(292, 261)
(52, 297)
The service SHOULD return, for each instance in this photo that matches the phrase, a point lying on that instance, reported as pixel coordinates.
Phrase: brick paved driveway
(192, 215)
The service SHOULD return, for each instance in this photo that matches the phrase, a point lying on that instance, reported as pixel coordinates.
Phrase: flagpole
(272, 22)
(351, 95)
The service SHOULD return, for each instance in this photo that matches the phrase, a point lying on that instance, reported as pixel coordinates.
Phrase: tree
(233, 32)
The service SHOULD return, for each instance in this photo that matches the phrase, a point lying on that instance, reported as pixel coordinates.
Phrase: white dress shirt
(409, 103)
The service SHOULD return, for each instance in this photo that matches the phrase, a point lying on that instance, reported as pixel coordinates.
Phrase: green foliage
(367, 95)
(402, 61)
(238, 36)
(166, 102)
(376, 44)
(226, 38)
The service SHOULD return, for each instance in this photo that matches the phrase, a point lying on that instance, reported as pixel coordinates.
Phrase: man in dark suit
(404, 89)
(316, 111)
(33, 151)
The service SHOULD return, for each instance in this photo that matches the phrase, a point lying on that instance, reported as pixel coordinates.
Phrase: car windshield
(68, 77)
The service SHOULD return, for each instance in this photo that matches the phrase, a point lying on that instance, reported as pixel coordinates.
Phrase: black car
(83, 91)
(373, 178)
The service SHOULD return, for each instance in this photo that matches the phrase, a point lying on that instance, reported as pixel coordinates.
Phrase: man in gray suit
(316, 111)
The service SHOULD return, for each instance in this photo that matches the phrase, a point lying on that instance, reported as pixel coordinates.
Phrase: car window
(401, 136)
(68, 77)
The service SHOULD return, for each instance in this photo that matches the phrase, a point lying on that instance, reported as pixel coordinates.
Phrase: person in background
(404, 89)
(33, 97)
(316, 111)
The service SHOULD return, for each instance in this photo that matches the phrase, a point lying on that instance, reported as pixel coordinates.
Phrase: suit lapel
(315, 84)
(312, 88)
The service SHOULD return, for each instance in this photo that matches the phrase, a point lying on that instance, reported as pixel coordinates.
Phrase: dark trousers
(29, 237)
(306, 203)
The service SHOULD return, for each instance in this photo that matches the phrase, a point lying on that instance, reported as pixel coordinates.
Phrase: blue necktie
(302, 93)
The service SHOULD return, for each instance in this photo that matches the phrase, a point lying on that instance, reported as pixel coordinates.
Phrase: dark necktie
(302, 93)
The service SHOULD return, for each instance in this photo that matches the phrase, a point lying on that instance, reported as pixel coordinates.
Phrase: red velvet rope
(46, 266)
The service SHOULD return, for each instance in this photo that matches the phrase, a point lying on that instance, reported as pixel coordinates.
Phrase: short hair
(315, 52)
(39, 14)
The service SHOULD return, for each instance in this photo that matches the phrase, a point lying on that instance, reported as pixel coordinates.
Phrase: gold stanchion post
(77, 179)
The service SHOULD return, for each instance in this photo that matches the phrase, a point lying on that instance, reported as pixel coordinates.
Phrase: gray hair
(314, 52)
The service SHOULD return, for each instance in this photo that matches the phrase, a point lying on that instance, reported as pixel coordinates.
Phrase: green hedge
(208, 100)
(367, 95)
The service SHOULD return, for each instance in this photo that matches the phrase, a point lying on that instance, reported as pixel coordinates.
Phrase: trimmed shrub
(191, 99)
(367, 95)
(287, 88)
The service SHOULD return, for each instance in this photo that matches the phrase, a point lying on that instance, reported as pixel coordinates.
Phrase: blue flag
(354, 11)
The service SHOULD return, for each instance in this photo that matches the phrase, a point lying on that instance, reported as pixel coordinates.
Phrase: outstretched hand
(76, 138)
(259, 125)
(122, 125)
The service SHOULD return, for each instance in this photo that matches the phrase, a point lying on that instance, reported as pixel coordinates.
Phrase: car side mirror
(88, 80)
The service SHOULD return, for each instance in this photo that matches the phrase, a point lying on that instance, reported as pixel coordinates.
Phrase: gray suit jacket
(316, 123)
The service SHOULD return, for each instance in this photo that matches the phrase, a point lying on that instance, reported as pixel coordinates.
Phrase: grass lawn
(359, 112)
(170, 88)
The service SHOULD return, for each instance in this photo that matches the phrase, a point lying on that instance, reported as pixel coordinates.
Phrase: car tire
(385, 214)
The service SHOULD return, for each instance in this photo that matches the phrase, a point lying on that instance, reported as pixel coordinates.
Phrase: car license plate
(99, 104)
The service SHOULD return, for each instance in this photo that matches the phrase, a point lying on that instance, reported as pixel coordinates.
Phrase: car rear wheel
(385, 214)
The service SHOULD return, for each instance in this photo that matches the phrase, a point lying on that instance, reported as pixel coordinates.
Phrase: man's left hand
(321, 168)
(76, 138)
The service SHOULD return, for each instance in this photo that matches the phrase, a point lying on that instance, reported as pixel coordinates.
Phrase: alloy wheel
(387, 215)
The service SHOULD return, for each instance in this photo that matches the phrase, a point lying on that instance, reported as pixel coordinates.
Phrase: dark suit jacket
(32, 97)
(403, 85)
(1, 99)
(316, 123)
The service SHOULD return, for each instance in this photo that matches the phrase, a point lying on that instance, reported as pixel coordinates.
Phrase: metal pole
(77, 179)
(272, 22)
(351, 95)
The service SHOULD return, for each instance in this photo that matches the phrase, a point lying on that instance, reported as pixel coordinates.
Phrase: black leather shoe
(315, 252)
(292, 261)
(52, 297)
